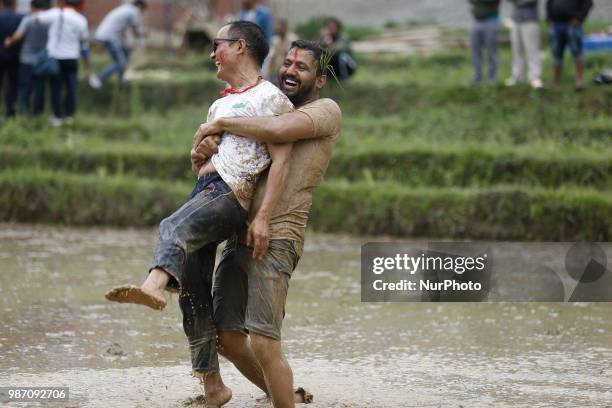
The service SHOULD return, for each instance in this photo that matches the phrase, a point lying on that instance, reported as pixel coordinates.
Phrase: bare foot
(138, 295)
(219, 398)
(301, 396)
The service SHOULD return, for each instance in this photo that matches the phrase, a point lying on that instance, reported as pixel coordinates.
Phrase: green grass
(502, 212)
(420, 153)
(416, 166)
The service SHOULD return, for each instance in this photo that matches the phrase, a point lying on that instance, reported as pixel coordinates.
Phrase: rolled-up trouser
(186, 249)
(563, 35)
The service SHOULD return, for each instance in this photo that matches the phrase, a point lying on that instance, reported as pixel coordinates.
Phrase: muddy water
(56, 329)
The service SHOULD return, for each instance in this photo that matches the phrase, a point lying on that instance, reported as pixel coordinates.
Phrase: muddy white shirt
(241, 160)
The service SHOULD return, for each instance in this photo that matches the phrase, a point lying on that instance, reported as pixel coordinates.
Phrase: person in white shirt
(111, 33)
(67, 40)
(184, 259)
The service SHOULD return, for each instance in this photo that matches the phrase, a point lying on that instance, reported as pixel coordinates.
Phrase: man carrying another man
(250, 288)
(217, 210)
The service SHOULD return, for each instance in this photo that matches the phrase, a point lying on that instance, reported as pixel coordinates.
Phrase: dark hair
(314, 48)
(141, 3)
(336, 21)
(73, 3)
(8, 3)
(40, 4)
(254, 37)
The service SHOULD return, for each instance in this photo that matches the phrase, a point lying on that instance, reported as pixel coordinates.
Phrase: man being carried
(111, 33)
(250, 292)
(185, 255)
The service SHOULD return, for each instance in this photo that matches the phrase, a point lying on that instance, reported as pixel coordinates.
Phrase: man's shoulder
(267, 87)
(323, 109)
(27, 19)
(323, 103)
(268, 97)
(76, 16)
(326, 116)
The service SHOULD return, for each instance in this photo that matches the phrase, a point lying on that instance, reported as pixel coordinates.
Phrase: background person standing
(333, 38)
(68, 38)
(525, 38)
(281, 43)
(9, 57)
(111, 33)
(565, 18)
(34, 36)
(483, 34)
(260, 15)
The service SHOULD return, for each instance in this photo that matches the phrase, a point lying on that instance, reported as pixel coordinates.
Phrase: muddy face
(298, 74)
(224, 54)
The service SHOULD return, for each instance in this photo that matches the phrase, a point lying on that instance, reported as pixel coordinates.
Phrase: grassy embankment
(420, 154)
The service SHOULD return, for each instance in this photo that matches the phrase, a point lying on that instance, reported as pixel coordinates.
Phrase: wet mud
(56, 329)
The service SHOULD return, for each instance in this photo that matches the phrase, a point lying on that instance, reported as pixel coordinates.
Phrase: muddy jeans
(186, 249)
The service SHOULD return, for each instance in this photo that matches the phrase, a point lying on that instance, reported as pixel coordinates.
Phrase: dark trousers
(10, 70)
(31, 84)
(343, 64)
(186, 249)
(120, 54)
(66, 83)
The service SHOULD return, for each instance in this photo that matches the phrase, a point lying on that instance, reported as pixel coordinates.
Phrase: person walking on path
(565, 18)
(525, 39)
(111, 33)
(483, 34)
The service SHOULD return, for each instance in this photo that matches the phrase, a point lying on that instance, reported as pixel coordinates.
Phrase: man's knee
(170, 233)
(231, 343)
(265, 348)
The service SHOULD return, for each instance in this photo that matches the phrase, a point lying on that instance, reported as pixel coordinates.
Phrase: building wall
(95, 10)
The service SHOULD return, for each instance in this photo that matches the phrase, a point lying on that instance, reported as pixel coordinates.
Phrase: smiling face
(297, 76)
(224, 53)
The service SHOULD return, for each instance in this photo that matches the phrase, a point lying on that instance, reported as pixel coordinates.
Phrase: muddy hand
(258, 236)
(209, 146)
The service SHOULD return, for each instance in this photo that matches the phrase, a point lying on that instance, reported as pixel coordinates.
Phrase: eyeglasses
(217, 41)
